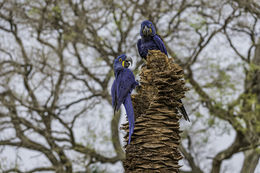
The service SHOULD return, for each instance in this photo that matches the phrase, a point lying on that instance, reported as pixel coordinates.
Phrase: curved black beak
(147, 31)
(127, 62)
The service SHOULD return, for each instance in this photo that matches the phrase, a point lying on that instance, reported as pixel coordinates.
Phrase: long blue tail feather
(130, 115)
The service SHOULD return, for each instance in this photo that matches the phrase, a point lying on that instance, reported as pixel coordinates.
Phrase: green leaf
(56, 9)
(211, 122)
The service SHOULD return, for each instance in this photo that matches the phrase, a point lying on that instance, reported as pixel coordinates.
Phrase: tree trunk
(253, 86)
(253, 90)
(250, 162)
(256, 77)
(155, 142)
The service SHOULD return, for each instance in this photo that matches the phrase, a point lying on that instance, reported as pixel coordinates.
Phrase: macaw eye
(120, 59)
(150, 25)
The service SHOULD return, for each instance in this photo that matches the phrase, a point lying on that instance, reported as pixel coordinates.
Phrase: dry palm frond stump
(156, 138)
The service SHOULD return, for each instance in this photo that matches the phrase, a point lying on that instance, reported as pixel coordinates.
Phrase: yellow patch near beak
(123, 63)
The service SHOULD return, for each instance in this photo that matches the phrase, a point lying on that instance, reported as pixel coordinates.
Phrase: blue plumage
(149, 40)
(122, 87)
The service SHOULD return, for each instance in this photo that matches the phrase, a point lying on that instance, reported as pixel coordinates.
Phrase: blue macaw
(151, 41)
(122, 87)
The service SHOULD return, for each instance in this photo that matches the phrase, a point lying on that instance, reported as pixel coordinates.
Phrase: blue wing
(160, 44)
(125, 84)
(130, 115)
(121, 93)
(141, 50)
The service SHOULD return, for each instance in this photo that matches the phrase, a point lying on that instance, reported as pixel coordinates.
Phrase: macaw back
(122, 87)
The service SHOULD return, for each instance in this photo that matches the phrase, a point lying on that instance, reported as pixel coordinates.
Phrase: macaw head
(147, 29)
(122, 61)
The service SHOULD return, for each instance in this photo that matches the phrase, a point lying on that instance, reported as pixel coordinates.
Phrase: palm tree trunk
(155, 142)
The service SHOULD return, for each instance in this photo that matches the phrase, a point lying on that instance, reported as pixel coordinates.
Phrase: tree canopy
(56, 60)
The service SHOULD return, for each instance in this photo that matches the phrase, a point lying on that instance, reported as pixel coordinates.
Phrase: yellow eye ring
(120, 59)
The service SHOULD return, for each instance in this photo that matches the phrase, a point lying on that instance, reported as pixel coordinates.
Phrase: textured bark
(250, 162)
(156, 139)
(252, 156)
(255, 82)
(253, 108)
(235, 147)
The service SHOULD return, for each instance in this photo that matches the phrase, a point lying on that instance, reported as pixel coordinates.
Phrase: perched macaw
(151, 41)
(122, 87)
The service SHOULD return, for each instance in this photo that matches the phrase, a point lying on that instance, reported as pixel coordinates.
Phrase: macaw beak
(127, 62)
(147, 31)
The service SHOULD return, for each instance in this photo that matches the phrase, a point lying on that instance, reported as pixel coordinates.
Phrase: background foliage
(56, 71)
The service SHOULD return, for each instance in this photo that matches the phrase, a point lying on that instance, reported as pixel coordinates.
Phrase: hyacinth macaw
(151, 41)
(122, 87)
